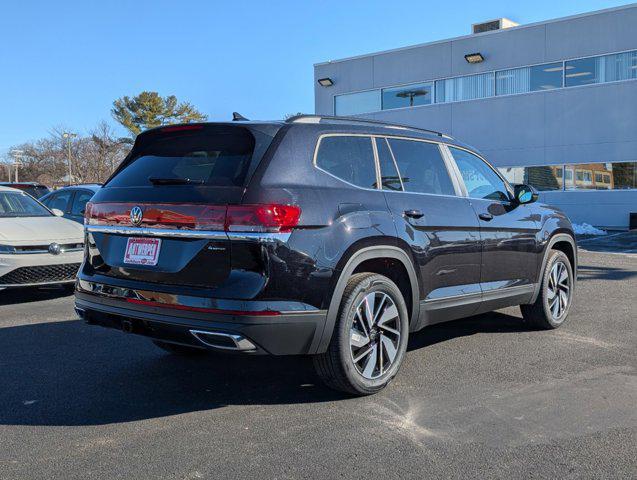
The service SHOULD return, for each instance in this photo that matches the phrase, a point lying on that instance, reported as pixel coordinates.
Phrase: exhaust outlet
(224, 341)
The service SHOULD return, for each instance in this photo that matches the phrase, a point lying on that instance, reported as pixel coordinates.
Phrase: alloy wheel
(558, 290)
(375, 335)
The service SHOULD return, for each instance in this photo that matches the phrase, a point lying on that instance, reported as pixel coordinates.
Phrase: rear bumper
(287, 333)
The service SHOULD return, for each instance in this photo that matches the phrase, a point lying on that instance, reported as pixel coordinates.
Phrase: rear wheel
(177, 349)
(370, 337)
(553, 303)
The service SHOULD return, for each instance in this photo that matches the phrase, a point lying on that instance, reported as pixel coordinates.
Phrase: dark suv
(320, 236)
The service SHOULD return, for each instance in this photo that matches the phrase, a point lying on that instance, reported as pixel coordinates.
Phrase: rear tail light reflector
(233, 218)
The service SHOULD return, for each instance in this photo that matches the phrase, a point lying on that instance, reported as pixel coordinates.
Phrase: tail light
(233, 218)
(262, 218)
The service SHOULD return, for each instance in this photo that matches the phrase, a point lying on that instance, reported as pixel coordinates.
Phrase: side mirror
(57, 212)
(525, 194)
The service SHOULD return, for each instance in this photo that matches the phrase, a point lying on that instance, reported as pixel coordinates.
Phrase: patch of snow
(586, 229)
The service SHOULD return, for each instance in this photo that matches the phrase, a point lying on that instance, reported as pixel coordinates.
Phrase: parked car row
(36, 190)
(37, 246)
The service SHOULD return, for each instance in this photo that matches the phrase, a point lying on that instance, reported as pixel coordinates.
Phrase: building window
(544, 178)
(549, 76)
(408, 96)
(529, 79)
(465, 88)
(357, 103)
(606, 68)
(586, 176)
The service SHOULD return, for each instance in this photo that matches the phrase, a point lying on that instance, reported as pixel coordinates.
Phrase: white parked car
(37, 246)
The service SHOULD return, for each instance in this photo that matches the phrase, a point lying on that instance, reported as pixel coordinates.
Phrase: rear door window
(60, 200)
(212, 156)
(421, 166)
(389, 178)
(350, 158)
(79, 202)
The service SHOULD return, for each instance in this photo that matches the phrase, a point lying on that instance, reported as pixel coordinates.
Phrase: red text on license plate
(142, 251)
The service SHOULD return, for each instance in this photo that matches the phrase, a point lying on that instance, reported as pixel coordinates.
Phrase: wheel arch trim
(360, 256)
(559, 237)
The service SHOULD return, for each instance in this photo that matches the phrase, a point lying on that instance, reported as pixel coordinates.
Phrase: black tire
(337, 367)
(176, 349)
(541, 313)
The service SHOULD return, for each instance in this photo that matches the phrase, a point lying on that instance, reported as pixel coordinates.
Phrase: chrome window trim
(386, 137)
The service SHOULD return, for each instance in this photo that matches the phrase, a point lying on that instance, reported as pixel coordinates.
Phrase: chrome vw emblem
(55, 249)
(136, 216)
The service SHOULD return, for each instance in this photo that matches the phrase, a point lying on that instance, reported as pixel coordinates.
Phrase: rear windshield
(35, 191)
(217, 156)
(14, 204)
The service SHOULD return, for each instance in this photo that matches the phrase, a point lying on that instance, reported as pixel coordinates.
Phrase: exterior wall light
(325, 82)
(474, 57)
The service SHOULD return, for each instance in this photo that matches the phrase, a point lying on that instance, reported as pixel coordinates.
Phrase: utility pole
(17, 155)
(69, 136)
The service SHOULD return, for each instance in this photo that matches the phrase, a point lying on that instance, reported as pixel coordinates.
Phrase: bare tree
(93, 157)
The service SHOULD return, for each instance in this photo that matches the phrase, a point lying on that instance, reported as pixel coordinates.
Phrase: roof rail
(308, 118)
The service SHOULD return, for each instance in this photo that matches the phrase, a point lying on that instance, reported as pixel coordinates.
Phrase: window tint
(421, 167)
(481, 181)
(215, 156)
(59, 200)
(348, 158)
(79, 202)
(388, 175)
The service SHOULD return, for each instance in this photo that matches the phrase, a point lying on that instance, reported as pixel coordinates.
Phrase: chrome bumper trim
(174, 233)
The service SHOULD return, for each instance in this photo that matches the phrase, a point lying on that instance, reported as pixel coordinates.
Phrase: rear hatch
(162, 217)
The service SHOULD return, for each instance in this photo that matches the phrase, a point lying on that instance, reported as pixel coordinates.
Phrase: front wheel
(370, 337)
(553, 303)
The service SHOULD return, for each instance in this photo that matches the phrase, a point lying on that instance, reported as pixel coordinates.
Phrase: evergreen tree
(149, 110)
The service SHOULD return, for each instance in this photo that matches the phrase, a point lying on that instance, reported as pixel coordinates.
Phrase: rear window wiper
(174, 181)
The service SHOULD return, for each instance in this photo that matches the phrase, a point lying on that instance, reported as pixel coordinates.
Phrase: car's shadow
(590, 272)
(13, 296)
(68, 373)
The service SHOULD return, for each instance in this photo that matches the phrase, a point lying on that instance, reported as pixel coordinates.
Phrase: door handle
(413, 213)
(486, 217)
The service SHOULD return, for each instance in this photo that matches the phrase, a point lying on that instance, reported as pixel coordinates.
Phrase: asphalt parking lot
(480, 397)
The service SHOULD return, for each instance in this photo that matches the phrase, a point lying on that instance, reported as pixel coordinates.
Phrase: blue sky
(63, 63)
